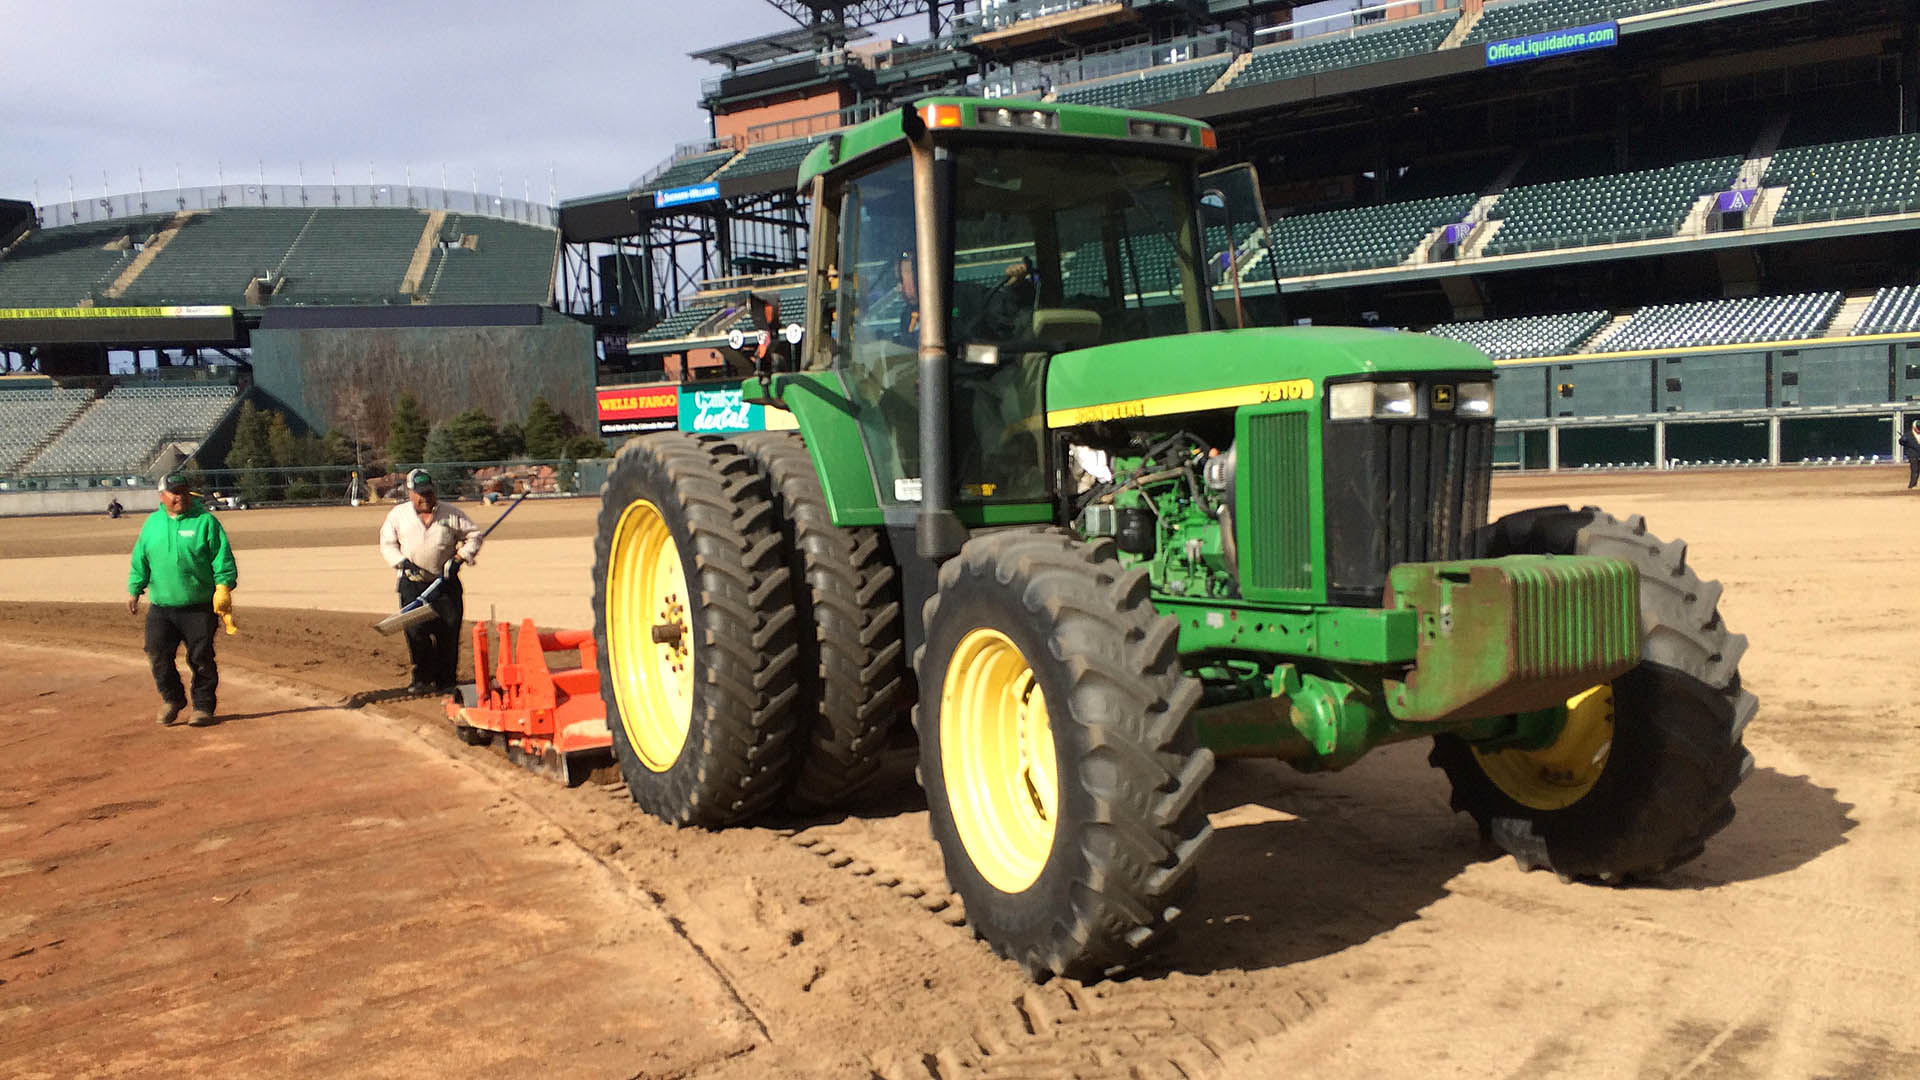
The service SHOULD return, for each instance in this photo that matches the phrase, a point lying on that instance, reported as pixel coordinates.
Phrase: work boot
(168, 714)
(201, 718)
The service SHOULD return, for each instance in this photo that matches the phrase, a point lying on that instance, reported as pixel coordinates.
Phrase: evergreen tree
(249, 449)
(282, 446)
(438, 446)
(407, 431)
(545, 430)
(475, 436)
(513, 440)
(586, 446)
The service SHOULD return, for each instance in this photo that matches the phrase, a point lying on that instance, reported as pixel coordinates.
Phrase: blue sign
(1553, 43)
(720, 411)
(691, 193)
(1737, 199)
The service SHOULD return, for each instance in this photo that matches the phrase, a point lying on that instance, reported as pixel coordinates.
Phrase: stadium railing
(173, 200)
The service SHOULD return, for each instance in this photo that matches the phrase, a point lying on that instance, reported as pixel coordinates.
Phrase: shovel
(420, 609)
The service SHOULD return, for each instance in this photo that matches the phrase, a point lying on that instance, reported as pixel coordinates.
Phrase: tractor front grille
(1399, 492)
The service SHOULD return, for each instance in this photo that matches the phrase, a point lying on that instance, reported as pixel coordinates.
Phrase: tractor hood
(1230, 368)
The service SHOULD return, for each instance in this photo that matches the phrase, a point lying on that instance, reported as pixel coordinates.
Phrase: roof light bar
(1148, 129)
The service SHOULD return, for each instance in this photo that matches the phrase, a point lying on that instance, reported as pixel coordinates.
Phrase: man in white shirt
(419, 538)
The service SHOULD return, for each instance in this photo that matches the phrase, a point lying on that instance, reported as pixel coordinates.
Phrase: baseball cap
(419, 480)
(173, 482)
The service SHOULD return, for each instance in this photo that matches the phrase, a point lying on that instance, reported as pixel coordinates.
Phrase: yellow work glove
(223, 606)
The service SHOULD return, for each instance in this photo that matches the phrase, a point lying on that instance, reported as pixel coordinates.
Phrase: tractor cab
(960, 245)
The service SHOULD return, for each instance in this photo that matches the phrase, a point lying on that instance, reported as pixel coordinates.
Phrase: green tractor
(1018, 479)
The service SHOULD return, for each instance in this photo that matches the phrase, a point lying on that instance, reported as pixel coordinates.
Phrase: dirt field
(309, 890)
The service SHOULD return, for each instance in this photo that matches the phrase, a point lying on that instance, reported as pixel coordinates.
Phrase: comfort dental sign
(1553, 43)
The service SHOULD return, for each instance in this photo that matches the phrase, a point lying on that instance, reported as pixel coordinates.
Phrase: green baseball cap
(174, 481)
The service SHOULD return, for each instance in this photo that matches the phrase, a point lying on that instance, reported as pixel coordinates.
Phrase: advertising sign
(627, 409)
(1553, 43)
(1735, 200)
(690, 194)
(723, 410)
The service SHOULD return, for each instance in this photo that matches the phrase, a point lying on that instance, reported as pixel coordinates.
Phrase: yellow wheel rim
(998, 761)
(1557, 776)
(649, 636)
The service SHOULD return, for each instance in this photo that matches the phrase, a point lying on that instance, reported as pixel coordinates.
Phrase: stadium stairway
(145, 259)
(1848, 316)
(1233, 71)
(423, 253)
(1606, 333)
(1469, 18)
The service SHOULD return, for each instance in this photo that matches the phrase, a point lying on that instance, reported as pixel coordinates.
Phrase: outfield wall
(325, 376)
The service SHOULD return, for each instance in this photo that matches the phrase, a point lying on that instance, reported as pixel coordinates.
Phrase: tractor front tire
(1061, 772)
(694, 620)
(1659, 750)
(852, 669)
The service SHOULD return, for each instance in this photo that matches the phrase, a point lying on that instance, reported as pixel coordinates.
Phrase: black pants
(1913, 472)
(434, 645)
(167, 628)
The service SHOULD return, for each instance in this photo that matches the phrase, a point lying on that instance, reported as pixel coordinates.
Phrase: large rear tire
(852, 665)
(1644, 772)
(693, 617)
(1061, 773)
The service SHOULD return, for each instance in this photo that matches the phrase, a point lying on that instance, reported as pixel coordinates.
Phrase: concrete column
(1773, 440)
(1553, 449)
(1659, 444)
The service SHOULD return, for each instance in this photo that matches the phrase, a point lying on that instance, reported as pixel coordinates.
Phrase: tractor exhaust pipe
(940, 533)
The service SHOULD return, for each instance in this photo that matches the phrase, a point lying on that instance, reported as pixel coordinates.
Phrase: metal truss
(868, 12)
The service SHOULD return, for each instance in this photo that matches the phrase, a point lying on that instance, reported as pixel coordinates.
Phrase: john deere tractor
(1014, 477)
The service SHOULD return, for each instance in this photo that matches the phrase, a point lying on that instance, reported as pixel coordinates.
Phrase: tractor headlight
(1350, 401)
(1373, 401)
(1395, 401)
(1475, 399)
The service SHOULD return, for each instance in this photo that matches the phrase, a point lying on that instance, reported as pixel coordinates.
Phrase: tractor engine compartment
(1164, 496)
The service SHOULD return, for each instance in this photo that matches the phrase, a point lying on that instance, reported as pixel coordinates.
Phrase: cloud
(598, 91)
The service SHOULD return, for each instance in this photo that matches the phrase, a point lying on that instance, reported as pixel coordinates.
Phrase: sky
(598, 91)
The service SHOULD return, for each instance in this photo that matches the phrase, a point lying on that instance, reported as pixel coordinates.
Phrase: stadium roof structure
(863, 12)
(801, 42)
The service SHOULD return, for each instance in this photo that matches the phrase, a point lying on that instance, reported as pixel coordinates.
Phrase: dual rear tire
(752, 649)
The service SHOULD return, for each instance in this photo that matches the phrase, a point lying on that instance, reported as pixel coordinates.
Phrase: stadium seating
(1532, 335)
(689, 170)
(1362, 237)
(214, 255)
(1865, 178)
(1895, 310)
(1518, 18)
(122, 431)
(510, 263)
(347, 256)
(1293, 59)
(771, 157)
(1726, 322)
(681, 322)
(1150, 87)
(28, 417)
(1610, 209)
(62, 266)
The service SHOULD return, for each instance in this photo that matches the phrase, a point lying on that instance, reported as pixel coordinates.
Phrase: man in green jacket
(183, 559)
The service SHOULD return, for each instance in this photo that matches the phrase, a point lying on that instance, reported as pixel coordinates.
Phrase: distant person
(183, 561)
(1910, 447)
(418, 539)
(114, 509)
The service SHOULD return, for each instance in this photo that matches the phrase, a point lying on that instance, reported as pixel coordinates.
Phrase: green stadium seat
(1290, 60)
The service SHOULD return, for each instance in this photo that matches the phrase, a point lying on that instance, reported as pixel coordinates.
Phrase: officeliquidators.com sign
(1553, 43)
